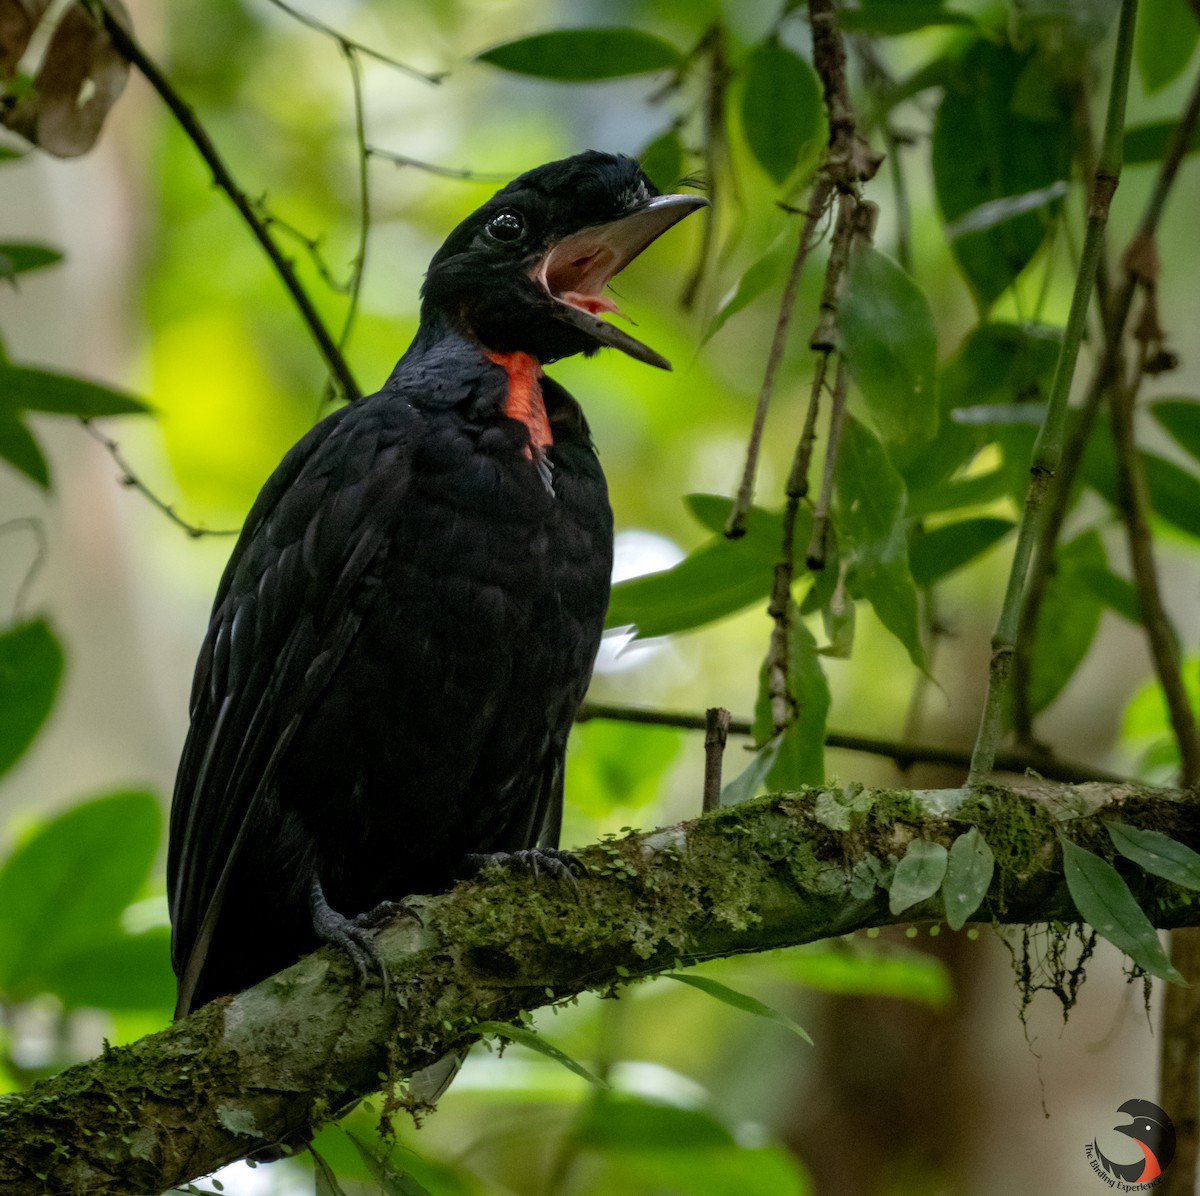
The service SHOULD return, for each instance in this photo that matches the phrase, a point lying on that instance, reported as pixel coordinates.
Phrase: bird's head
(527, 271)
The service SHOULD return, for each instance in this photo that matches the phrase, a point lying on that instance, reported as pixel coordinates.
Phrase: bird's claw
(562, 865)
(385, 911)
(350, 935)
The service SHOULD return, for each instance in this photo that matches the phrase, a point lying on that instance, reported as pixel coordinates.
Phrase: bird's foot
(562, 865)
(349, 934)
(385, 911)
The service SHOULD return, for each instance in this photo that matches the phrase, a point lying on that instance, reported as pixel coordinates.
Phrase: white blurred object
(635, 552)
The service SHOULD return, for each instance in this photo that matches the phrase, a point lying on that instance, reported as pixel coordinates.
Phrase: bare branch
(133, 481)
(349, 44)
(445, 172)
(716, 730)
(1036, 761)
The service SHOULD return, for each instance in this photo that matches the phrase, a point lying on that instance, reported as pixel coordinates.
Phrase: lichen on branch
(291, 1053)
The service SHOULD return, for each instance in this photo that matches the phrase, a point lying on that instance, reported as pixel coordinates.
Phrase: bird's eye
(506, 225)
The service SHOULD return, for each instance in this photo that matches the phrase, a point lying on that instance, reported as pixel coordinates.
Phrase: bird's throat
(524, 399)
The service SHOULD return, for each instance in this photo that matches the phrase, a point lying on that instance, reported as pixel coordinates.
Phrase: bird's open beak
(575, 270)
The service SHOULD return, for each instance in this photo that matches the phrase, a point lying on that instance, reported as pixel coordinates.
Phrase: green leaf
(66, 886)
(985, 151)
(711, 511)
(748, 1004)
(20, 449)
(918, 875)
(1174, 492)
(754, 776)
(390, 1181)
(891, 972)
(576, 55)
(1069, 619)
(120, 972)
(956, 494)
(1149, 142)
(871, 501)
(1181, 418)
(870, 490)
(10, 155)
(781, 107)
(1166, 39)
(1156, 853)
(1104, 901)
(1000, 364)
(662, 160)
(619, 764)
(968, 875)
(621, 1122)
(888, 337)
(718, 579)
(799, 752)
(63, 394)
(999, 211)
(1114, 592)
(893, 19)
(535, 1042)
(760, 277)
(31, 667)
(938, 553)
(324, 1177)
(17, 257)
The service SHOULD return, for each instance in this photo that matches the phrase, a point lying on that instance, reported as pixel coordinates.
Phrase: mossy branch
(247, 1071)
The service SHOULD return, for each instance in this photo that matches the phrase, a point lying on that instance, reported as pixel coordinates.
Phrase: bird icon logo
(1153, 1131)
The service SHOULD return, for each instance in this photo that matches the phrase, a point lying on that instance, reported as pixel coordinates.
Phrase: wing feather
(285, 615)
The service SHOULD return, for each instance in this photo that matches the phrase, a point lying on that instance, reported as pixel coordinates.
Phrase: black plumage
(410, 616)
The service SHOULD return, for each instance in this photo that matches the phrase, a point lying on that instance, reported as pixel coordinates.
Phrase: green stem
(1047, 451)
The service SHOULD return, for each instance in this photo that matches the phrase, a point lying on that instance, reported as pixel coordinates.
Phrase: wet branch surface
(290, 1053)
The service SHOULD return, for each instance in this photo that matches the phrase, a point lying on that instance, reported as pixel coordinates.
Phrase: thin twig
(129, 48)
(1048, 449)
(1043, 562)
(716, 731)
(822, 190)
(312, 245)
(716, 82)
(130, 478)
(348, 43)
(860, 226)
(444, 172)
(905, 754)
(848, 162)
(359, 262)
(37, 528)
(814, 554)
(1134, 503)
(850, 159)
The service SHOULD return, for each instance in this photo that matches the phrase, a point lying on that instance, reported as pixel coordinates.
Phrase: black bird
(410, 617)
(1153, 1131)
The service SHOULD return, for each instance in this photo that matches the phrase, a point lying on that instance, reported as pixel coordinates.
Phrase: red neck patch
(524, 399)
